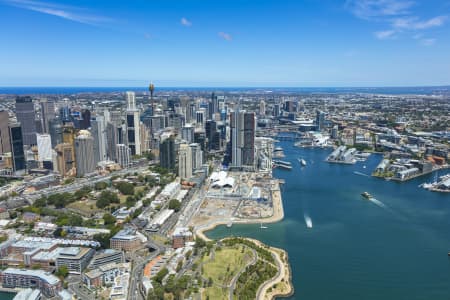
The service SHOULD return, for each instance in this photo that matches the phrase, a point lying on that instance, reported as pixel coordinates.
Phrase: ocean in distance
(394, 247)
(437, 90)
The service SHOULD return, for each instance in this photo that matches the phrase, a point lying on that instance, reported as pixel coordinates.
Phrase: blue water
(438, 90)
(392, 248)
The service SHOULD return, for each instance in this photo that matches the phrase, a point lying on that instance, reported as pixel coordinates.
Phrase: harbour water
(6, 296)
(391, 247)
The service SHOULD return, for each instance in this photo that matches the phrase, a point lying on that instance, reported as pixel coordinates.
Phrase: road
(77, 288)
(137, 268)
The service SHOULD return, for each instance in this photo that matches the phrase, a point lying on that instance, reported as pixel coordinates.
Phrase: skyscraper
(213, 106)
(44, 145)
(112, 139)
(133, 125)
(26, 117)
(185, 161)
(167, 152)
(85, 121)
(65, 114)
(243, 128)
(47, 113)
(55, 130)
(131, 100)
(84, 153)
(197, 156)
(276, 110)
(99, 135)
(212, 135)
(65, 158)
(320, 120)
(123, 154)
(187, 133)
(16, 141)
(262, 108)
(200, 117)
(5, 144)
(190, 112)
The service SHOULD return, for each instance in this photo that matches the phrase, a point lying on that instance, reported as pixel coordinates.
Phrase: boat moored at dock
(282, 164)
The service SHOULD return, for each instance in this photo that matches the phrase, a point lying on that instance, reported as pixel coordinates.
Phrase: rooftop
(125, 234)
(73, 252)
(46, 276)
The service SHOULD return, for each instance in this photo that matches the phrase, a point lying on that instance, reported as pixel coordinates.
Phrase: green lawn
(215, 293)
(85, 207)
(226, 264)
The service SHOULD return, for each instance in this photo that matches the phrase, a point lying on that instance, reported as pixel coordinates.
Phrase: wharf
(416, 175)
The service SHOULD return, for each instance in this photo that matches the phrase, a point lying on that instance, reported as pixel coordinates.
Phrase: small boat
(302, 161)
(230, 224)
(262, 226)
(308, 221)
(367, 195)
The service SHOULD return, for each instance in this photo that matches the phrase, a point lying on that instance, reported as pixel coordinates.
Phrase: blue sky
(303, 43)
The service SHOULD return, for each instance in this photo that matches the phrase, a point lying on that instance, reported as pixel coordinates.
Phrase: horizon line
(226, 86)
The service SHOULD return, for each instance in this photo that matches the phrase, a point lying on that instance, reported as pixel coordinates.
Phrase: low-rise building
(126, 240)
(47, 283)
(105, 257)
(180, 236)
(75, 259)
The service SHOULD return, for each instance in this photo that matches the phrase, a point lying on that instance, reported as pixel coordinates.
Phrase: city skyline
(196, 43)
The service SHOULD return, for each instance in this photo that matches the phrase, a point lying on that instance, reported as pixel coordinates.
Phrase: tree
(149, 155)
(210, 282)
(130, 201)
(75, 220)
(102, 202)
(106, 198)
(62, 272)
(160, 275)
(109, 219)
(41, 202)
(81, 193)
(199, 243)
(125, 188)
(101, 186)
(175, 204)
(103, 239)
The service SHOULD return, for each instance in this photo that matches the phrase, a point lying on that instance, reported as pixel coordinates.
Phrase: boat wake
(378, 203)
(361, 174)
(308, 221)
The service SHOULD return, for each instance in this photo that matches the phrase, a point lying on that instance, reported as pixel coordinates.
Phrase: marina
(443, 185)
(342, 155)
(282, 164)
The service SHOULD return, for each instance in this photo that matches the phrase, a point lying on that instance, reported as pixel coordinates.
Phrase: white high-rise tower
(131, 100)
(185, 161)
